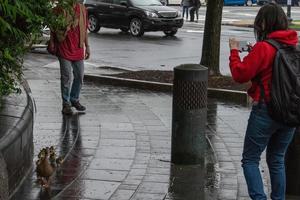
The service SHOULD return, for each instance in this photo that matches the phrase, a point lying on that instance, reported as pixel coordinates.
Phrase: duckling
(52, 159)
(44, 170)
(51, 150)
(59, 161)
(42, 153)
(37, 172)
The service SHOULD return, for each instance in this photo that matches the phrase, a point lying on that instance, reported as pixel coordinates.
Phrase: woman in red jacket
(263, 132)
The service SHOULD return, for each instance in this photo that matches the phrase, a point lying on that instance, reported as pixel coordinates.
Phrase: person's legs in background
(192, 14)
(78, 73)
(197, 14)
(185, 10)
(65, 84)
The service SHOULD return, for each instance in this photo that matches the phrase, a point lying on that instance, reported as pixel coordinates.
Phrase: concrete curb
(227, 95)
(16, 121)
(245, 25)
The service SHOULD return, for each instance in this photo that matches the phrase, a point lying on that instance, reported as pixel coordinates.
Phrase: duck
(44, 170)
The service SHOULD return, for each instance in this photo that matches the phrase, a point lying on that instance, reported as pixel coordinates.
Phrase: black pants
(192, 13)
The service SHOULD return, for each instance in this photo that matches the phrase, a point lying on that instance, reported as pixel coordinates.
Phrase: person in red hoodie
(263, 132)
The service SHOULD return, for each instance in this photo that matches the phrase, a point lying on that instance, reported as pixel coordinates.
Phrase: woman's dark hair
(269, 18)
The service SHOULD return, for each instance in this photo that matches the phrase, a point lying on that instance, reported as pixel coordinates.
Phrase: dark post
(293, 166)
(189, 114)
(288, 12)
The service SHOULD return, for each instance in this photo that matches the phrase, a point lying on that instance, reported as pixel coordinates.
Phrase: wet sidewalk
(120, 149)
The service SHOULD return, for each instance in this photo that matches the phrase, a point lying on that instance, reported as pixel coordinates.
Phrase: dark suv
(137, 16)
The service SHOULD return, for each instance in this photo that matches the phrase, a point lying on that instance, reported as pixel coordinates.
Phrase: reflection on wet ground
(193, 182)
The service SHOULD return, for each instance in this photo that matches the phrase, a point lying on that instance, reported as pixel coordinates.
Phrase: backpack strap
(262, 95)
(261, 90)
(278, 46)
(274, 43)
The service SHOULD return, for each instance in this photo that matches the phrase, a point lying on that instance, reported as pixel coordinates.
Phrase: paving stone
(94, 189)
(117, 126)
(227, 194)
(137, 172)
(142, 139)
(153, 188)
(135, 182)
(115, 152)
(157, 178)
(157, 170)
(105, 175)
(111, 164)
(147, 196)
(117, 135)
(128, 187)
(138, 165)
(122, 195)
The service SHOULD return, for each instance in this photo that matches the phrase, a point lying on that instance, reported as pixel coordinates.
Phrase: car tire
(94, 25)
(136, 27)
(248, 3)
(125, 30)
(170, 32)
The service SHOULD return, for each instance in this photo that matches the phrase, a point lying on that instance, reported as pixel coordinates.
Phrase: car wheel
(94, 25)
(136, 27)
(248, 2)
(125, 30)
(170, 32)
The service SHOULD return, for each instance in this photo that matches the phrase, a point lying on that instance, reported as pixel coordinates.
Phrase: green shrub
(20, 22)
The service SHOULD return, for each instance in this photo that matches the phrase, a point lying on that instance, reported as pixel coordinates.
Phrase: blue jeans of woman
(263, 132)
(185, 10)
(71, 75)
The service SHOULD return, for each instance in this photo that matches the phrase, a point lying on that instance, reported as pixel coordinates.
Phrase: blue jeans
(71, 79)
(185, 9)
(262, 132)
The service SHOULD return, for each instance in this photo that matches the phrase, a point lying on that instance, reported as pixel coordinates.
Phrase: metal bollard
(189, 114)
(292, 160)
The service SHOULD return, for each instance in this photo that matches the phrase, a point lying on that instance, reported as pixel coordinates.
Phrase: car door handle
(111, 6)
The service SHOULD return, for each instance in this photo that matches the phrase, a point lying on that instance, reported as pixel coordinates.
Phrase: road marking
(194, 31)
(225, 31)
(230, 20)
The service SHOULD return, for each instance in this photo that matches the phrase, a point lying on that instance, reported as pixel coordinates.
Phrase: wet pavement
(120, 149)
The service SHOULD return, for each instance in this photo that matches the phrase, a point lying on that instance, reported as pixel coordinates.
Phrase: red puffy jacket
(259, 61)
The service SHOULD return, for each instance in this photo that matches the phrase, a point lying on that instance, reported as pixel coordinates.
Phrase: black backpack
(284, 105)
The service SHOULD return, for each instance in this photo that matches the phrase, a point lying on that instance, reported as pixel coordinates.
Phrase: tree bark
(211, 40)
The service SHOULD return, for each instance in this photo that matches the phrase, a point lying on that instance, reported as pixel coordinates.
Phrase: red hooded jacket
(259, 61)
(69, 49)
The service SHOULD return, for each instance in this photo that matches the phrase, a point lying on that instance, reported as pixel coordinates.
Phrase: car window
(105, 1)
(146, 3)
(118, 2)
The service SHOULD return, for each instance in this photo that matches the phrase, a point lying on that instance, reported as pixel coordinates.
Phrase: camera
(244, 46)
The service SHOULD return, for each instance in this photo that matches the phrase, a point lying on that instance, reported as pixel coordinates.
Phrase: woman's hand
(51, 48)
(234, 44)
(87, 52)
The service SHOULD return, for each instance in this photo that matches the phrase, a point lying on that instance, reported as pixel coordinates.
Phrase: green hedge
(295, 25)
(20, 22)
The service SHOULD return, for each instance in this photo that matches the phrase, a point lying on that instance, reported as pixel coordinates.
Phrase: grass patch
(295, 24)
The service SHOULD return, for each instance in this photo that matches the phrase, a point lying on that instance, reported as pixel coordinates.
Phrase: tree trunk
(211, 39)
